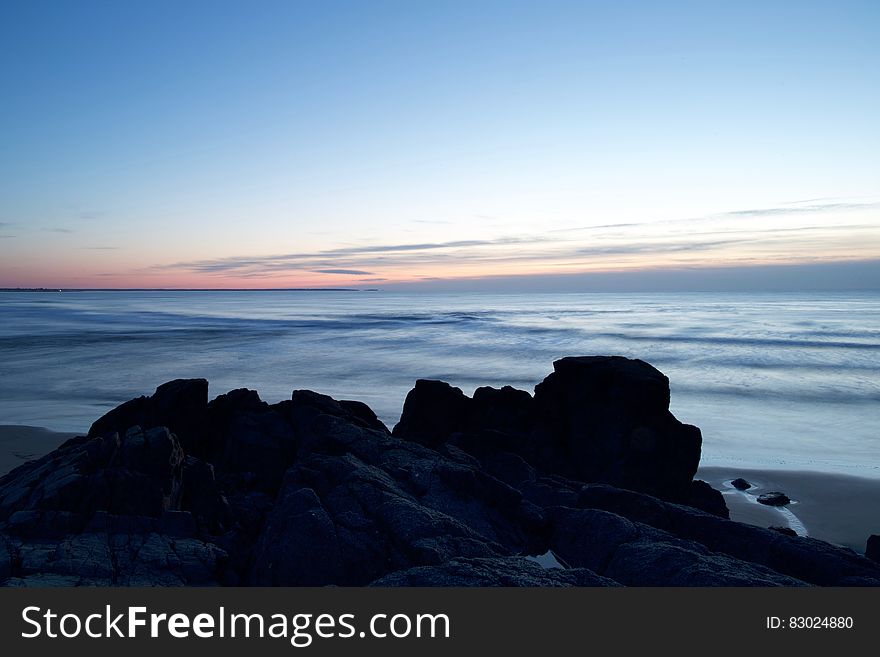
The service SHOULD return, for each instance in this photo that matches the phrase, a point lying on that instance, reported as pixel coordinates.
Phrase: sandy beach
(19, 444)
(836, 508)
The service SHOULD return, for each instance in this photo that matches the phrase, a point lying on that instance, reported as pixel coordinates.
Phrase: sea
(774, 380)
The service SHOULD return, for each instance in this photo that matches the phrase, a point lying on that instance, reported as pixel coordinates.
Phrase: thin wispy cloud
(683, 241)
(780, 210)
(797, 209)
(654, 247)
(350, 272)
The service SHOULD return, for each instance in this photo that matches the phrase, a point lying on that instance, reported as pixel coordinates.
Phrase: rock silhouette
(174, 489)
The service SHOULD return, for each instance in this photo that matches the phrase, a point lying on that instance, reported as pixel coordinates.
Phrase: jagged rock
(498, 571)
(872, 548)
(432, 411)
(603, 419)
(179, 405)
(610, 416)
(705, 498)
(740, 484)
(774, 498)
(799, 557)
(786, 531)
(171, 490)
(633, 553)
(118, 551)
(139, 474)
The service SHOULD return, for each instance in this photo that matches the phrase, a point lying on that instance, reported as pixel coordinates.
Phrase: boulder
(774, 498)
(610, 418)
(705, 498)
(740, 484)
(432, 411)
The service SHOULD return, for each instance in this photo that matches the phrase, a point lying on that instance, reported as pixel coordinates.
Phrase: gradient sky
(374, 144)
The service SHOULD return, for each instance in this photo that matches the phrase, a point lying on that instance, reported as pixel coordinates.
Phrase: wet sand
(19, 444)
(836, 508)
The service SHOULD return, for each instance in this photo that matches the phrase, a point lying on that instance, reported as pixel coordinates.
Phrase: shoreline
(836, 508)
(839, 509)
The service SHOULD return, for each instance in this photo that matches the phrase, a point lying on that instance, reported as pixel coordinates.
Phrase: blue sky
(276, 144)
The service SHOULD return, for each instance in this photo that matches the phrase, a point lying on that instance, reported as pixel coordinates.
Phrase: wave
(746, 342)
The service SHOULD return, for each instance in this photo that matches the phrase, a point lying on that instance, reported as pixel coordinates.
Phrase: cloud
(59, 229)
(100, 248)
(710, 239)
(797, 209)
(656, 247)
(351, 272)
(366, 255)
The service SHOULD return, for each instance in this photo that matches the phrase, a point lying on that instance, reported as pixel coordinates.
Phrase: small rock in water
(740, 484)
(788, 531)
(774, 498)
(872, 550)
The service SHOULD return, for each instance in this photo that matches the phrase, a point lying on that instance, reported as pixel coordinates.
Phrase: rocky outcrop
(599, 418)
(172, 489)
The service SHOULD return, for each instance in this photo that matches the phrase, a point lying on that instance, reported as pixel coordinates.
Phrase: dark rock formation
(600, 418)
(872, 549)
(774, 498)
(498, 571)
(174, 490)
(707, 499)
(740, 484)
(787, 531)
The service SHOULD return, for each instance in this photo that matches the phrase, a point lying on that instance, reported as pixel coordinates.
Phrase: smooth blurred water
(782, 380)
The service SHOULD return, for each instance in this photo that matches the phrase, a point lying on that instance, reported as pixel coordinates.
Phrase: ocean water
(773, 380)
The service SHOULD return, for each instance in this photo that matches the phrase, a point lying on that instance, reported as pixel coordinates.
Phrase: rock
(506, 410)
(774, 498)
(171, 490)
(497, 571)
(636, 554)
(201, 496)
(432, 411)
(610, 418)
(139, 474)
(707, 499)
(787, 531)
(803, 558)
(179, 405)
(872, 548)
(740, 484)
(598, 419)
(341, 521)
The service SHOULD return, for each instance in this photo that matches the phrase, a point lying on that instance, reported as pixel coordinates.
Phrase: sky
(439, 145)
